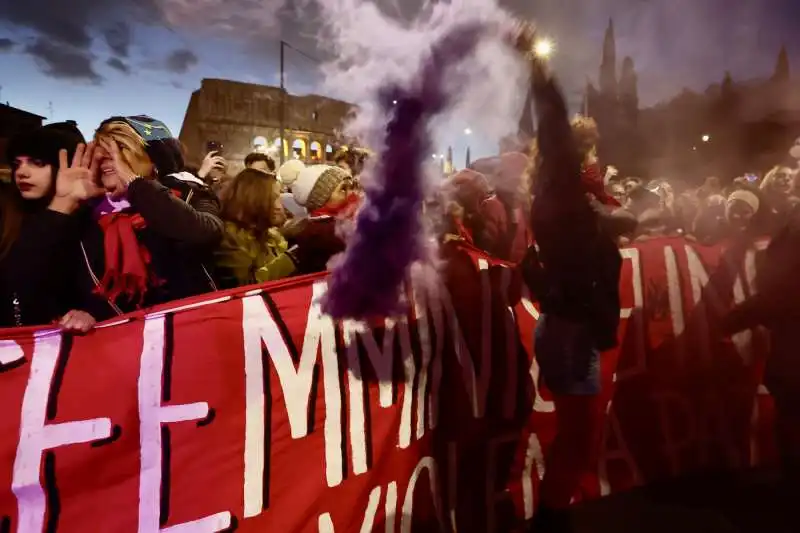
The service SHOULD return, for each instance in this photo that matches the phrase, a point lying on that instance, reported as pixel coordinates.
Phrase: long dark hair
(10, 218)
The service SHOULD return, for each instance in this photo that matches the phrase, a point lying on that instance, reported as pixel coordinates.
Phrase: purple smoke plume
(389, 236)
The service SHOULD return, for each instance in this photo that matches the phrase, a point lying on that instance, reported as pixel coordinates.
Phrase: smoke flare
(389, 235)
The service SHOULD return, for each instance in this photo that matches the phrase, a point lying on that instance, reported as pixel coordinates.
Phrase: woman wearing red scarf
(327, 194)
(150, 235)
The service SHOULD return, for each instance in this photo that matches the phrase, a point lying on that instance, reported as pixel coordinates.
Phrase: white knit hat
(747, 197)
(314, 185)
(289, 171)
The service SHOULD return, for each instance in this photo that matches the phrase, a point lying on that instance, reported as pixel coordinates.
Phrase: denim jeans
(567, 357)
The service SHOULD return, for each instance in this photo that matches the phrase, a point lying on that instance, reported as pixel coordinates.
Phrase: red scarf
(593, 183)
(345, 210)
(126, 259)
(462, 231)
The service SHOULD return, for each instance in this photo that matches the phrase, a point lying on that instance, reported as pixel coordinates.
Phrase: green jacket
(243, 259)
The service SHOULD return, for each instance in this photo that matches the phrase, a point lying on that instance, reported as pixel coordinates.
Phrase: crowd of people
(98, 229)
(93, 230)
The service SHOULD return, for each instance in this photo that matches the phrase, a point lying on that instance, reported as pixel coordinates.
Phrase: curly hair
(586, 134)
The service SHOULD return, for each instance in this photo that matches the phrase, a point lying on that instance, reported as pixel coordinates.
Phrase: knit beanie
(315, 184)
(44, 144)
(746, 197)
(161, 147)
(289, 171)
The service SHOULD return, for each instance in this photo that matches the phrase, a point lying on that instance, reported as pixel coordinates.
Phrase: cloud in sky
(63, 62)
(674, 43)
(181, 61)
(6, 44)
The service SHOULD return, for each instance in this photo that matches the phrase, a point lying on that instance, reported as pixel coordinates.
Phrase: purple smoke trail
(389, 234)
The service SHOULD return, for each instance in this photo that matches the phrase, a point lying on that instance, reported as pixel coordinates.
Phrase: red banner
(253, 411)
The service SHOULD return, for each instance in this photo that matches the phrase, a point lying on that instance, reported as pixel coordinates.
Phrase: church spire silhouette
(782, 66)
(608, 68)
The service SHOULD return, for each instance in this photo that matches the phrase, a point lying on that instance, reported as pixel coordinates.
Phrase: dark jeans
(567, 356)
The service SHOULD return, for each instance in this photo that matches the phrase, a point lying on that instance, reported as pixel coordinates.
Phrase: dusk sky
(87, 60)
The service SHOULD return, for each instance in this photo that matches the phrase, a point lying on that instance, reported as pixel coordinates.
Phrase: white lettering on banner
(430, 317)
(325, 524)
(744, 339)
(10, 352)
(296, 384)
(700, 289)
(539, 403)
(153, 415)
(484, 375)
(533, 456)
(409, 372)
(512, 346)
(701, 292)
(256, 323)
(320, 335)
(390, 507)
(452, 485)
(357, 418)
(463, 355)
(426, 463)
(675, 295)
(425, 365)
(634, 317)
(36, 436)
(371, 511)
(493, 497)
(621, 453)
(382, 361)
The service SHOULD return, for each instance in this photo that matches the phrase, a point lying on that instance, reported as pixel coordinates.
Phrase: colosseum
(244, 117)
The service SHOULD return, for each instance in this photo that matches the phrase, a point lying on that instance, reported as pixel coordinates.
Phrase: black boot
(548, 520)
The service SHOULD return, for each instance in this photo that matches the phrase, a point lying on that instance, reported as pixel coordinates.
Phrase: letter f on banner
(36, 436)
(152, 414)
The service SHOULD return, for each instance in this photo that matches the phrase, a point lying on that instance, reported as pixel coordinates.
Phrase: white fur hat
(314, 185)
(289, 171)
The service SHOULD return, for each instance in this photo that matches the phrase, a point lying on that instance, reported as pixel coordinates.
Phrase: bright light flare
(544, 48)
(706, 138)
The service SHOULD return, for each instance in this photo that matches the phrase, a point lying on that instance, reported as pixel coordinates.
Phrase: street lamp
(706, 138)
(544, 48)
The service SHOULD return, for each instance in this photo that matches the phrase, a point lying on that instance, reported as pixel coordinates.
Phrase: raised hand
(523, 37)
(212, 161)
(76, 181)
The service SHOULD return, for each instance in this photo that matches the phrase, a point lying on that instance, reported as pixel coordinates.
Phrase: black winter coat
(575, 272)
(182, 231)
(38, 273)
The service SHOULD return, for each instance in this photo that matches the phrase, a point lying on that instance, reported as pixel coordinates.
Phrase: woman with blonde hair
(253, 249)
(146, 240)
